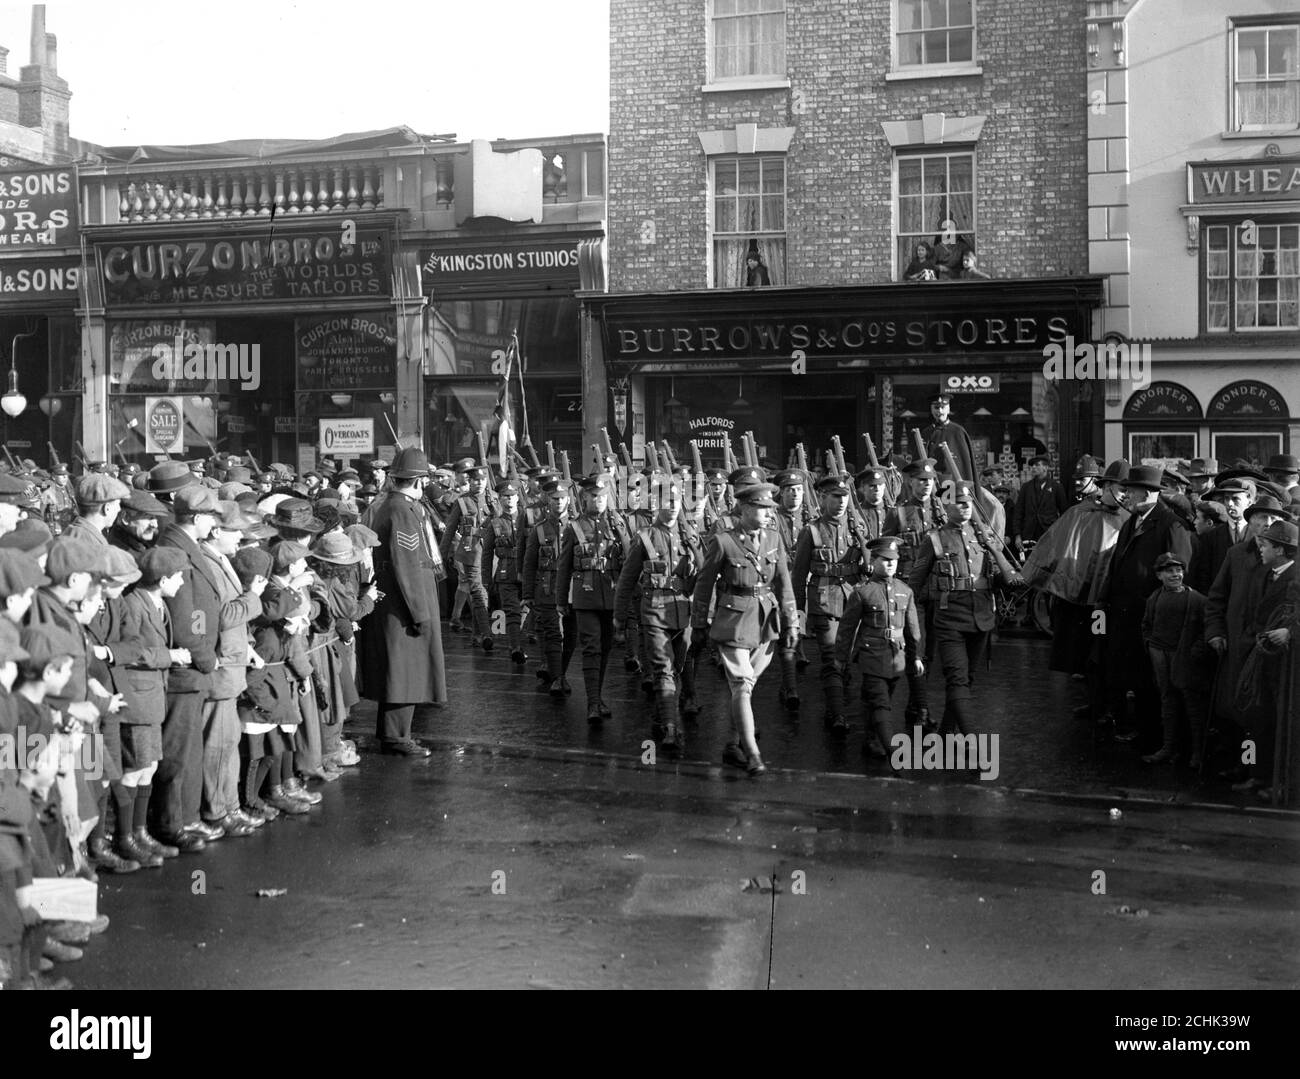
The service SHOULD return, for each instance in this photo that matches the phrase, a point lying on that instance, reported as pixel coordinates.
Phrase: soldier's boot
(647, 668)
(666, 702)
(835, 720)
(553, 673)
(789, 681)
(800, 659)
(632, 637)
(878, 737)
(591, 681)
(690, 707)
(1169, 749)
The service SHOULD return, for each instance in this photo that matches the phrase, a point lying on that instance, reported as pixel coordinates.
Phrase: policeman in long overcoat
(403, 648)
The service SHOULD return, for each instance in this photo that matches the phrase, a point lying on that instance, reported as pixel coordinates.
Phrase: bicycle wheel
(1040, 610)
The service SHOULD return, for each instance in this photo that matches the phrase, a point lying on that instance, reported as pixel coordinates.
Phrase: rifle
(940, 513)
(669, 457)
(13, 465)
(980, 518)
(532, 452)
(870, 446)
(252, 463)
(843, 470)
(550, 454)
(482, 455)
(747, 447)
(568, 480)
(54, 455)
(728, 457)
(81, 455)
(607, 449)
(697, 482)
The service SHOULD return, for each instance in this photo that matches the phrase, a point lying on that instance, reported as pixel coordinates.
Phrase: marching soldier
(744, 476)
(747, 564)
(957, 565)
(541, 588)
(462, 544)
(831, 549)
(715, 497)
(912, 519)
(60, 508)
(881, 633)
(637, 516)
(871, 511)
(791, 521)
(591, 556)
(500, 542)
(662, 563)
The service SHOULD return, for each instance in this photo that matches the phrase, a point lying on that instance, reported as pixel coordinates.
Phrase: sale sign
(164, 425)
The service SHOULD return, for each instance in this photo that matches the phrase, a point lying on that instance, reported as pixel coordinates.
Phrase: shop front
(800, 366)
(502, 320)
(275, 340)
(41, 286)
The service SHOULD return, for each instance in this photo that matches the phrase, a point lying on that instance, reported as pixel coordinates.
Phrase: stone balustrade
(222, 193)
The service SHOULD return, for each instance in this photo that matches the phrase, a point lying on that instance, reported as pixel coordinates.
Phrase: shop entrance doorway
(814, 421)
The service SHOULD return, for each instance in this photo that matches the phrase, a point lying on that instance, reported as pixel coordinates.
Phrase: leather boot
(1168, 750)
(148, 842)
(292, 806)
(666, 705)
(131, 849)
(789, 682)
(108, 861)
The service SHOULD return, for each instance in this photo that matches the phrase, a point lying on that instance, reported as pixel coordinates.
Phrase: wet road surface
(555, 868)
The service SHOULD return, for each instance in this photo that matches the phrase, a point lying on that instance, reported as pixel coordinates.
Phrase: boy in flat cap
(99, 501)
(1173, 629)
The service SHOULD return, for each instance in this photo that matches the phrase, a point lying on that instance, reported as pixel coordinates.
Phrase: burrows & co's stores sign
(847, 324)
(280, 263)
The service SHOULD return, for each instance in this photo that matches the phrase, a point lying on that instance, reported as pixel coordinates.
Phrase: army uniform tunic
(957, 567)
(591, 557)
(462, 543)
(755, 601)
(500, 544)
(791, 527)
(660, 574)
(827, 564)
(879, 632)
(871, 520)
(912, 522)
(541, 592)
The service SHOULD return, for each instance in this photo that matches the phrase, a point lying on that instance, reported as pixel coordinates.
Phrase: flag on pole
(501, 418)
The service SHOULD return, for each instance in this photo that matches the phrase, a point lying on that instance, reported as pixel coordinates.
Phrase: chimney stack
(52, 53)
(39, 36)
(4, 60)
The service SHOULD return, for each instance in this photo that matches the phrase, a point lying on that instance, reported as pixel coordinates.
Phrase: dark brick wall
(1031, 160)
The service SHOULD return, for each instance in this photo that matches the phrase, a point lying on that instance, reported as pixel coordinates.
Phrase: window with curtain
(936, 206)
(747, 38)
(1252, 277)
(1266, 79)
(748, 221)
(935, 32)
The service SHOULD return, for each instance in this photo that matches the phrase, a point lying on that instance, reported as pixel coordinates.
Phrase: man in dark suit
(1040, 502)
(402, 651)
(1236, 497)
(194, 616)
(1152, 530)
(944, 431)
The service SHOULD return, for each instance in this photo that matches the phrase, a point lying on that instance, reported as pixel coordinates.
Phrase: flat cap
(96, 488)
(196, 499)
(69, 555)
(19, 571)
(159, 562)
(46, 644)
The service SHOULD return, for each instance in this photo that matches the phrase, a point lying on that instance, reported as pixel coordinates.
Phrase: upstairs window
(748, 221)
(935, 32)
(1252, 277)
(1266, 78)
(747, 39)
(936, 207)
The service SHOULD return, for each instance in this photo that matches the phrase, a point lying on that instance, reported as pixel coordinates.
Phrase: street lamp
(13, 403)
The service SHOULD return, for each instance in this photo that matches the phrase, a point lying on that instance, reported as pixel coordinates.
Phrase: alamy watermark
(951, 752)
(21, 751)
(211, 362)
(1120, 361)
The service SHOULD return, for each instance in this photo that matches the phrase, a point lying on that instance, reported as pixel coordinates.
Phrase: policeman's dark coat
(402, 664)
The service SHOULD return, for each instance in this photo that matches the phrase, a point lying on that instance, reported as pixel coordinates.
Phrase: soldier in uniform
(638, 515)
(540, 587)
(463, 544)
(881, 633)
(957, 564)
(499, 542)
(912, 519)
(832, 550)
(402, 654)
(791, 522)
(715, 497)
(660, 573)
(591, 557)
(756, 605)
(871, 511)
(57, 499)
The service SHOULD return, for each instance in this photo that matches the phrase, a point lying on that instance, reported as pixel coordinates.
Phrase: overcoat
(401, 657)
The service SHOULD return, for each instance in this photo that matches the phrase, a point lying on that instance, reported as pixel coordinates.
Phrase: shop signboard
(287, 263)
(1266, 179)
(1247, 400)
(142, 354)
(347, 352)
(38, 208)
(164, 425)
(1163, 400)
(961, 382)
(44, 279)
(348, 437)
(500, 266)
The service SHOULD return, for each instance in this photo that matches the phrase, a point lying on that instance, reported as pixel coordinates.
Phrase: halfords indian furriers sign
(275, 264)
(38, 208)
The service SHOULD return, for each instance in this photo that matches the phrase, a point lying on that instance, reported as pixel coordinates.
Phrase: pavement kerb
(704, 769)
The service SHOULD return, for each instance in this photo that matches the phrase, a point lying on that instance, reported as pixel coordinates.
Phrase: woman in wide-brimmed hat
(293, 519)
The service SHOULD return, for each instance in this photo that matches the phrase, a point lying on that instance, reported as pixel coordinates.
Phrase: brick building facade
(861, 128)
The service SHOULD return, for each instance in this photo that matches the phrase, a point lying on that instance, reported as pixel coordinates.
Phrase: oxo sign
(970, 383)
